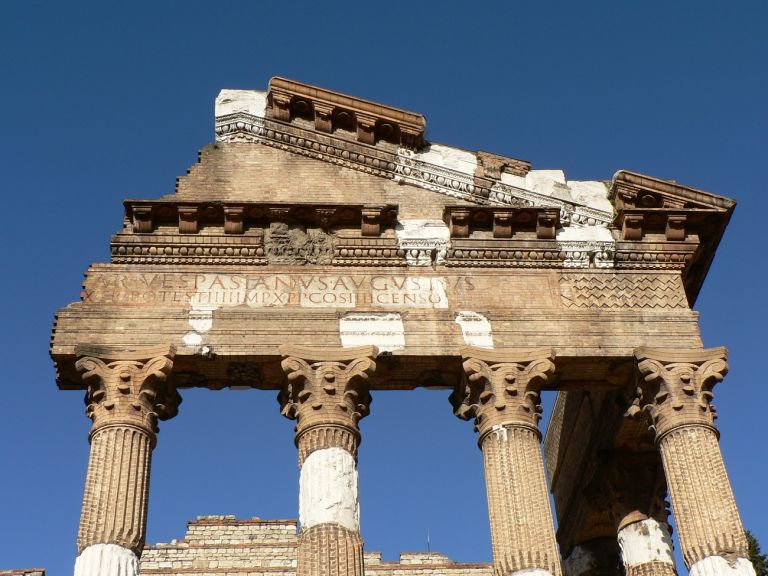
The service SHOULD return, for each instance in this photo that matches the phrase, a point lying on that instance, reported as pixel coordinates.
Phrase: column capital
(327, 387)
(501, 387)
(675, 386)
(128, 387)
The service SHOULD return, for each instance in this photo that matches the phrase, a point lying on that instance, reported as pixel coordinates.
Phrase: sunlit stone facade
(324, 248)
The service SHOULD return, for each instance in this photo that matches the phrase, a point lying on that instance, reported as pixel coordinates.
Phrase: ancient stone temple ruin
(323, 248)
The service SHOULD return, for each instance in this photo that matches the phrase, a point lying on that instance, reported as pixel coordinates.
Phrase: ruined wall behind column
(227, 546)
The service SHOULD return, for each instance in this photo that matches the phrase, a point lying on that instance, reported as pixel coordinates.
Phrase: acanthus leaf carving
(675, 387)
(128, 388)
(327, 387)
(501, 387)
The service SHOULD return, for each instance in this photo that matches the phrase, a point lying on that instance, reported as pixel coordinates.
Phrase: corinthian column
(675, 389)
(327, 394)
(127, 394)
(501, 392)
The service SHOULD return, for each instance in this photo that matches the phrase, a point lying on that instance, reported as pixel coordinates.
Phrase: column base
(719, 566)
(106, 560)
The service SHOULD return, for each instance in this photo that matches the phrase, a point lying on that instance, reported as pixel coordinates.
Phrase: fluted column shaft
(116, 489)
(501, 393)
(702, 499)
(675, 389)
(127, 394)
(327, 394)
(518, 501)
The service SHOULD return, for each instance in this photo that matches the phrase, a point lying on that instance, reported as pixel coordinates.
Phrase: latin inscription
(273, 290)
(355, 290)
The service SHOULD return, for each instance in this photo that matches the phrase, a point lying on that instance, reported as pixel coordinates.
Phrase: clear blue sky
(103, 101)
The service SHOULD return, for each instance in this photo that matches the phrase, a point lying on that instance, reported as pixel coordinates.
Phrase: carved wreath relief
(326, 390)
(285, 244)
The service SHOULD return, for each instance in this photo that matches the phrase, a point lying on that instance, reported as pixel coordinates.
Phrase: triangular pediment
(343, 131)
(247, 172)
(302, 160)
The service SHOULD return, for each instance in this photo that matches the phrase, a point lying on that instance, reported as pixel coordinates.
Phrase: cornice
(144, 216)
(331, 110)
(401, 165)
(175, 231)
(646, 203)
(632, 189)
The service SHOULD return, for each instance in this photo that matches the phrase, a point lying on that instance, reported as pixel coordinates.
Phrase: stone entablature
(425, 312)
(324, 248)
(655, 224)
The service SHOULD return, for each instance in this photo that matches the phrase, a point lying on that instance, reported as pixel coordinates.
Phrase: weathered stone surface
(501, 393)
(318, 218)
(224, 544)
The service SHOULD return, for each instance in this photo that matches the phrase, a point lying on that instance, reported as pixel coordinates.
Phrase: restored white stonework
(513, 180)
(532, 572)
(192, 339)
(719, 566)
(475, 329)
(424, 241)
(106, 560)
(585, 233)
(591, 193)
(549, 183)
(553, 184)
(253, 102)
(586, 246)
(645, 541)
(201, 321)
(328, 489)
(449, 157)
(385, 330)
(500, 431)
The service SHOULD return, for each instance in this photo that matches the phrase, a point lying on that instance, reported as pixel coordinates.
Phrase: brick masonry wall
(226, 546)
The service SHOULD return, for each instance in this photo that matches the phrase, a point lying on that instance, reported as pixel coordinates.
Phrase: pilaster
(327, 393)
(675, 390)
(500, 392)
(128, 392)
